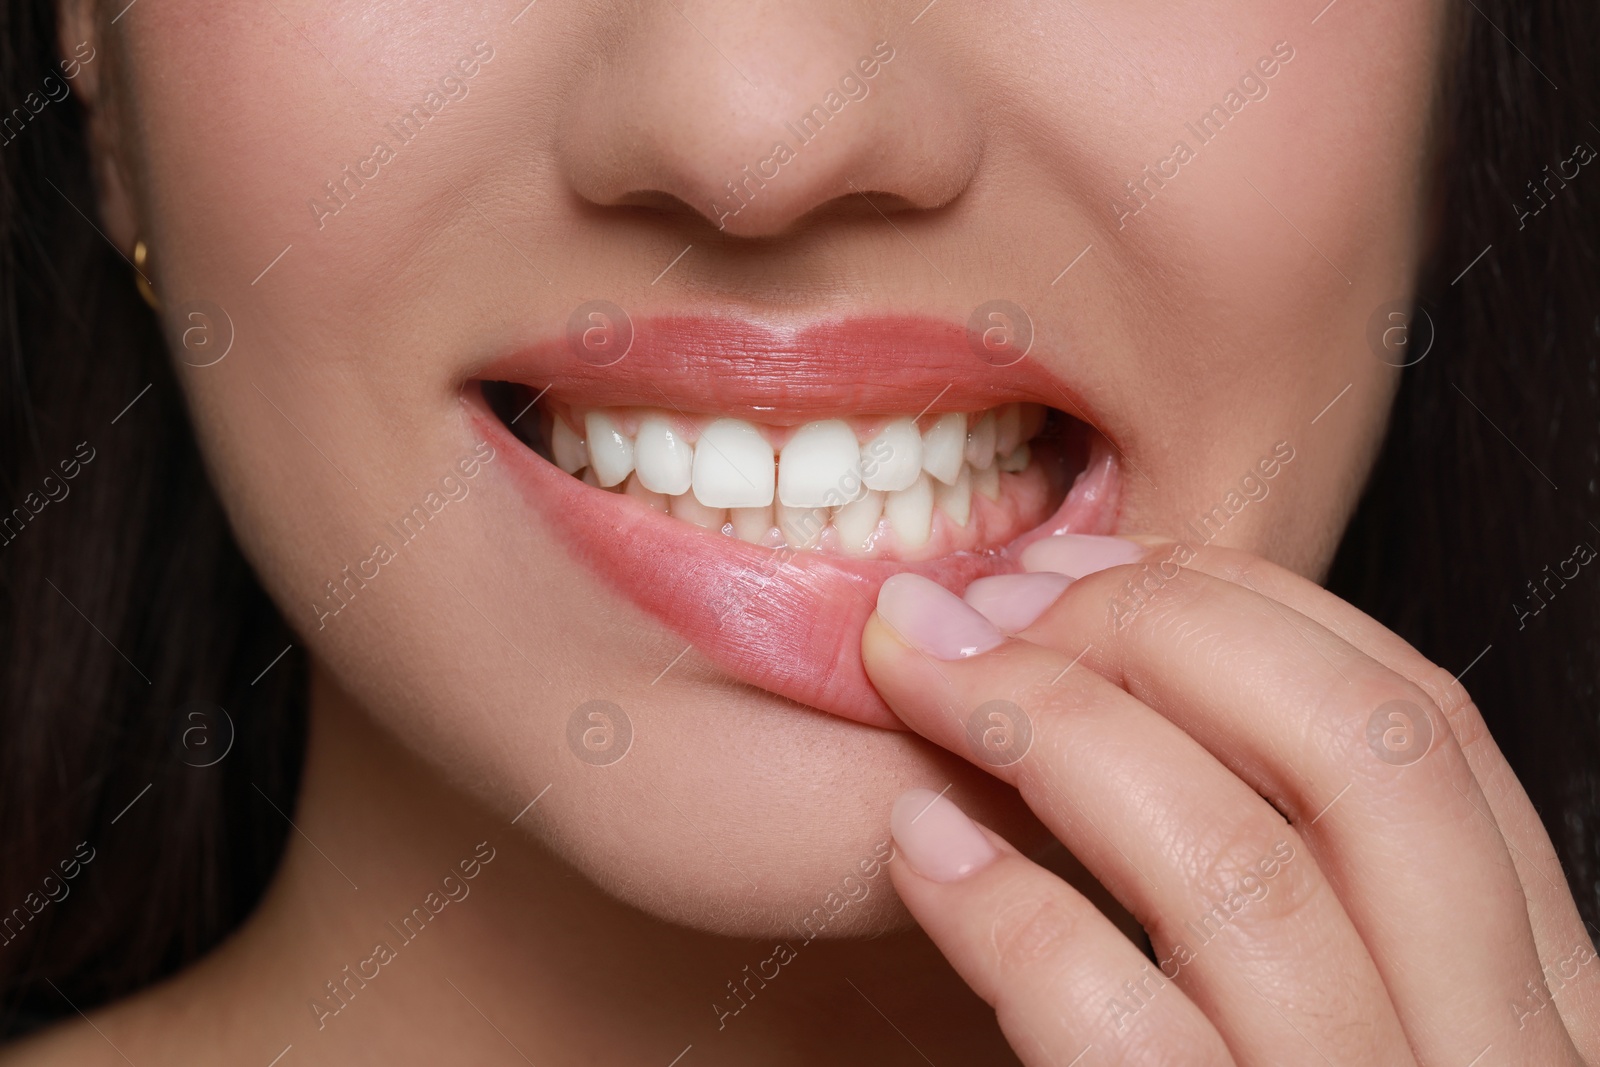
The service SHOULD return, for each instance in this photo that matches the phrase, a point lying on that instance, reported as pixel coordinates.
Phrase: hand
(1332, 859)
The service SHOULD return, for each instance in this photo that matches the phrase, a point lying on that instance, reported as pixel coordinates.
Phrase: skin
(1221, 319)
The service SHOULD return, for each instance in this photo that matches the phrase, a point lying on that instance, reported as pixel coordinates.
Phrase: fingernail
(1013, 601)
(1076, 555)
(937, 838)
(933, 619)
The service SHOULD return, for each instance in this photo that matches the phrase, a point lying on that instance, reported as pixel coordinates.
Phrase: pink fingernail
(930, 617)
(937, 838)
(1076, 555)
(1013, 601)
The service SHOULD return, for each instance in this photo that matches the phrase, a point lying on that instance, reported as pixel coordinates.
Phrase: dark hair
(1466, 538)
(127, 599)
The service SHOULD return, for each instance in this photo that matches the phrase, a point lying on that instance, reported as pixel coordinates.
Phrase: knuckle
(1028, 932)
(1139, 593)
(1241, 876)
(1370, 723)
(1455, 703)
(1237, 567)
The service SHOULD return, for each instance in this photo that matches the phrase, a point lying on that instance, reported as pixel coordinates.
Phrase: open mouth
(891, 487)
(751, 487)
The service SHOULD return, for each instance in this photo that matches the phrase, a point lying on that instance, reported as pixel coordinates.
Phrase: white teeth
(733, 466)
(636, 489)
(956, 500)
(815, 469)
(752, 524)
(857, 521)
(1017, 459)
(1008, 428)
(910, 513)
(687, 508)
(610, 450)
(944, 446)
(732, 480)
(980, 442)
(893, 459)
(664, 459)
(567, 448)
(801, 527)
(986, 480)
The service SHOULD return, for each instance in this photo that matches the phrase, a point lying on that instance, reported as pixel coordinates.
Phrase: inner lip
(995, 475)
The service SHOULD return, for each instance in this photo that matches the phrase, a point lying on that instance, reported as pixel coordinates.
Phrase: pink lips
(789, 622)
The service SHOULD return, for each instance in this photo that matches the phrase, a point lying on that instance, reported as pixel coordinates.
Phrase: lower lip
(790, 623)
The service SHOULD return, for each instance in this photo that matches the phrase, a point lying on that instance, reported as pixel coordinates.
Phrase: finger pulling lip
(787, 621)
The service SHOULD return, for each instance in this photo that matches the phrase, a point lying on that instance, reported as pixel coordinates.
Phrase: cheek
(1245, 282)
(236, 153)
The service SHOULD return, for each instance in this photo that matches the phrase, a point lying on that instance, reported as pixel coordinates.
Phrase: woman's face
(1183, 227)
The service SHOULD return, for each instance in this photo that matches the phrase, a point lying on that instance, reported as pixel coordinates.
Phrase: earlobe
(84, 62)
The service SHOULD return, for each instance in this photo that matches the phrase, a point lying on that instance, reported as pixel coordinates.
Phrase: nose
(756, 114)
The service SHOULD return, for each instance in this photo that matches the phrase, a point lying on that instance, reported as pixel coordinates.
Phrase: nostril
(872, 202)
(656, 202)
(843, 130)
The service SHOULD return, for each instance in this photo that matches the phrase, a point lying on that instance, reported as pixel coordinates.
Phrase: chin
(754, 819)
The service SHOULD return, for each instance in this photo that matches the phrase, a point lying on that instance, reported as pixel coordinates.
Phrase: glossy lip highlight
(788, 622)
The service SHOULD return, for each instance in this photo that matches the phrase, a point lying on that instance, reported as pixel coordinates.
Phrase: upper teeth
(699, 471)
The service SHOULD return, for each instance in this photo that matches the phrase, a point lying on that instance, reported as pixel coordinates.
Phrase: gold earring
(141, 256)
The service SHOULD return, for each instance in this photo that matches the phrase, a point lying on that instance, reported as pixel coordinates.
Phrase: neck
(407, 923)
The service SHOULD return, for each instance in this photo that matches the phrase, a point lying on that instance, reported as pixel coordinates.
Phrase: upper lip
(787, 374)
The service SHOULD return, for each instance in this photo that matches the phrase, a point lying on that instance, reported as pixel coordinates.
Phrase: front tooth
(1017, 459)
(1008, 429)
(894, 456)
(802, 527)
(857, 521)
(944, 446)
(687, 508)
(956, 500)
(815, 464)
(752, 524)
(980, 442)
(610, 450)
(636, 489)
(567, 448)
(910, 512)
(986, 480)
(664, 459)
(733, 466)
